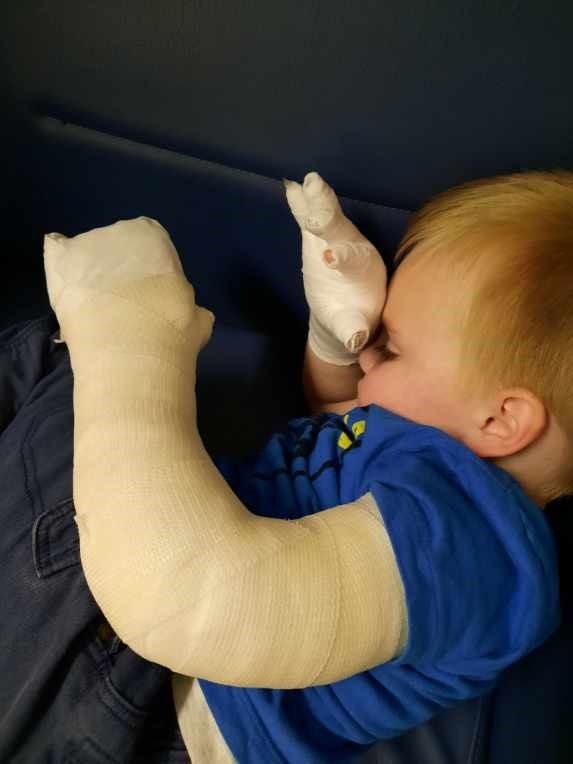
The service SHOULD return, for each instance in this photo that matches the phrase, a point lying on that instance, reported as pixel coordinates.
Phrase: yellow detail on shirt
(358, 428)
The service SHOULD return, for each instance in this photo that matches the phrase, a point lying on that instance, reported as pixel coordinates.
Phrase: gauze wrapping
(183, 572)
(347, 291)
(346, 301)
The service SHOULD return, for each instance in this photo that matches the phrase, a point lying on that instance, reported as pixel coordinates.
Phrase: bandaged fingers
(345, 296)
(129, 271)
(313, 203)
(317, 210)
(104, 257)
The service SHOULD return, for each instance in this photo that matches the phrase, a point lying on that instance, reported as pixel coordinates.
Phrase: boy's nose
(367, 359)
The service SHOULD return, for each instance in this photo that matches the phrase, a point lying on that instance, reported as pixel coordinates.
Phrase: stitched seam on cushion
(192, 157)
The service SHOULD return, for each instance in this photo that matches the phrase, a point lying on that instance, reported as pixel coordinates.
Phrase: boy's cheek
(387, 387)
(373, 388)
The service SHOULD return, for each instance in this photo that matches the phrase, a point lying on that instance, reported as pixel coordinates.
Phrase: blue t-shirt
(477, 559)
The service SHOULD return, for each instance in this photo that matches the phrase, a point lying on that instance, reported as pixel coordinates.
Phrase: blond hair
(513, 234)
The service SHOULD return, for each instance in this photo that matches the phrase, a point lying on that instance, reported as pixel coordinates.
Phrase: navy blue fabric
(476, 555)
(391, 100)
(70, 691)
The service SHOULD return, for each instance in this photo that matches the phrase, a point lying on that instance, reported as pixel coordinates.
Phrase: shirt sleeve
(479, 574)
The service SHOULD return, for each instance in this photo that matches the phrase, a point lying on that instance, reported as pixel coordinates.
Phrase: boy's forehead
(419, 294)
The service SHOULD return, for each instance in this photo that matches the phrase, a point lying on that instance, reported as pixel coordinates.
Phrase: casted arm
(184, 573)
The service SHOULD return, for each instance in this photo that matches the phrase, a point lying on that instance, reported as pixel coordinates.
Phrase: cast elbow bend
(261, 601)
(222, 611)
(298, 611)
(176, 607)
(144, 617)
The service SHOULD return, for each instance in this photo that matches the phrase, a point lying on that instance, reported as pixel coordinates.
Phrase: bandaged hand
(343, 273)
(133, 260)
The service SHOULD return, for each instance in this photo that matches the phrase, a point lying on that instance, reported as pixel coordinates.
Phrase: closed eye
(388, 354)
(380, 345)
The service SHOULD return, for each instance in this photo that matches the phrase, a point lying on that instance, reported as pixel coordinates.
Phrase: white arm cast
(184, 573)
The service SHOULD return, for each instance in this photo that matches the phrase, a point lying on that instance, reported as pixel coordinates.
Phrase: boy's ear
(512, 420)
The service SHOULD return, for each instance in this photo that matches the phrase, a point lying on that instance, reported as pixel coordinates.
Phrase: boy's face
(419, 384)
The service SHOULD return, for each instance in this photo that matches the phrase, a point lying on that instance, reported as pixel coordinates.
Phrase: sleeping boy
(386, 557)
